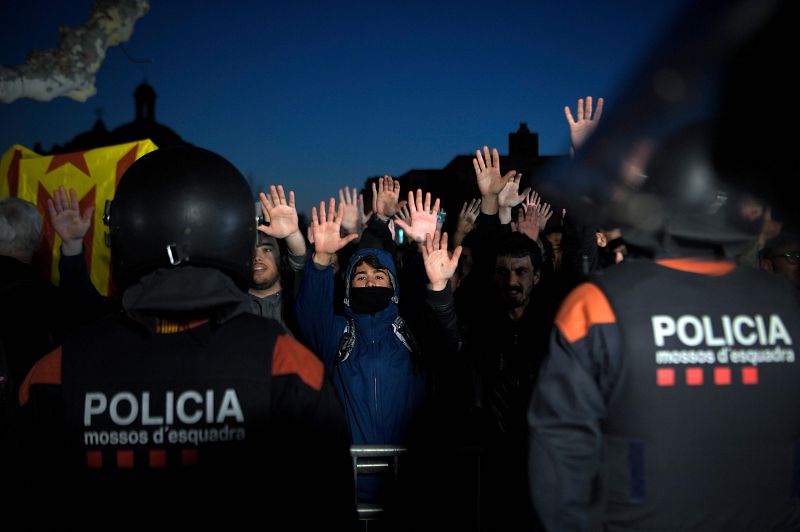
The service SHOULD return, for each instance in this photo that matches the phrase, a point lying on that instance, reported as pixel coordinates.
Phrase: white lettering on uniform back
(93, 403)
(663, 326)
(683, 323)
(147, 419)
(777, 331)
(189, 395)
(114, 408)
(230, 407)
(741, 337)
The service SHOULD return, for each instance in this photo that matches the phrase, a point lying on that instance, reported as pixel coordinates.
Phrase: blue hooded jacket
(381, 395)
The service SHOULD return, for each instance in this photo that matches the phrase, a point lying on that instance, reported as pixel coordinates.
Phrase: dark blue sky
(316, 95)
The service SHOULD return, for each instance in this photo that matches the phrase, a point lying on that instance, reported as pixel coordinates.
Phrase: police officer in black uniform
(185, 408)
(670, 398)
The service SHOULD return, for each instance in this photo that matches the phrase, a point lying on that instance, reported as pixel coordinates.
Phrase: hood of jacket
(385, 258)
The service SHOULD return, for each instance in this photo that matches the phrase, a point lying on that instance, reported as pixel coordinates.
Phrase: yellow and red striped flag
(93, 174)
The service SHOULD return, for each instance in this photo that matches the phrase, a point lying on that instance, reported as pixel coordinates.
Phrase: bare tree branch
(70, 69)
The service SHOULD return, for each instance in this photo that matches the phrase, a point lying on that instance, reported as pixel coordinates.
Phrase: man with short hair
(508, 358)
(517, 270)
(268, 295)
(505, 325)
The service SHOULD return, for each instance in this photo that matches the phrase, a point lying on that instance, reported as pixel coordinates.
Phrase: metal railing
(374, 460)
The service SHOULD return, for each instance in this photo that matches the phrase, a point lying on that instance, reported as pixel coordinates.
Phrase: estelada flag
(93, 174)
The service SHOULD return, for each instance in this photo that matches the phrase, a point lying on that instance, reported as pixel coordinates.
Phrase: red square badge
(665, 377)
(722, 376)
(124, 459)
(750, 375)
(158, 458)
(694, 376)
(189, 456)
(94, 459)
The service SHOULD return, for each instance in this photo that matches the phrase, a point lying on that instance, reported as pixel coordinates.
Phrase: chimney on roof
(523, 145)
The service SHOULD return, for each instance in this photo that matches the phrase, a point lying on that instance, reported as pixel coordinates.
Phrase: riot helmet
(181, 206)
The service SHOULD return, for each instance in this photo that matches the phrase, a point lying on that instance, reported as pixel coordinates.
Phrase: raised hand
(543, 212)
(404, 215)
(351, 218)
(423, 218)
(364, 216)
(386, 193)
(282, 215)
(325, 230)
(468, 215)
(487, 172)
(528, 223)
(69, 223)
(532, 200)
(439, 265)
(466, 220)
(581, 128)
(510, 196)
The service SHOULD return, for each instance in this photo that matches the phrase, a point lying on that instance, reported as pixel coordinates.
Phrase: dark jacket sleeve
(377, 235)
(442, 311)
(77, 285)
(566, 411)
(321, 327)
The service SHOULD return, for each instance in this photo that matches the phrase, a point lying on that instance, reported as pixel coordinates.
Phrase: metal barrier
(466, 488)
(374, 460)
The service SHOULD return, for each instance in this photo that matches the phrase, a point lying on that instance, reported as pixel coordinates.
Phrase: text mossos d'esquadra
(740, 339)
(201, 417)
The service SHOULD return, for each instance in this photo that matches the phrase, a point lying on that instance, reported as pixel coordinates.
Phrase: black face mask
(370, 299)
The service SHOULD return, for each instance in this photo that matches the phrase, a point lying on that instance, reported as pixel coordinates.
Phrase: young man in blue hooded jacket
(373, 357)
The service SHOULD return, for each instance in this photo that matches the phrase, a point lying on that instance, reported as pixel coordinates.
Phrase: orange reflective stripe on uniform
(290, 357)
(583, 307)
(46, 371)
(704, 267)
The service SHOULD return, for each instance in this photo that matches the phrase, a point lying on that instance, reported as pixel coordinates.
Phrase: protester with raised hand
(466, 220)
(582, 127)
(353, 202)
(439, 263)
(372, 369)
(283, 219)
(271, 290)
(72, 225)
(423, 216)
(385, 196)
(490, 181)
(509, 198)
(578, 240)
(68, 221)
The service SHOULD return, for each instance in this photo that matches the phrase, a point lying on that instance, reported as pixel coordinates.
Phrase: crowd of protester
(607, 345)
(433, 343)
